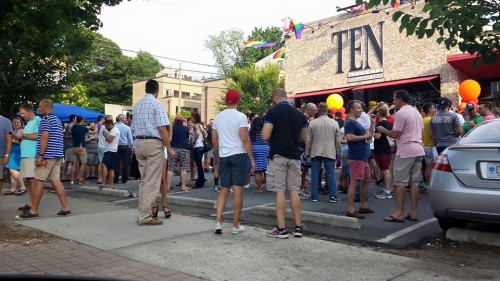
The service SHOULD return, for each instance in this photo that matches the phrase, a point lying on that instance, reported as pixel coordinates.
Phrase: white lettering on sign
(365, 77)
(365, 72)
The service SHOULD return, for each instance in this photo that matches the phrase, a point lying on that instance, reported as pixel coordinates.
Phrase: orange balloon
(462, 105)
(333, 110)
(342, 110)
(469, 90)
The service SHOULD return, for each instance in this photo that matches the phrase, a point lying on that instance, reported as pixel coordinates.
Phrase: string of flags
(259, 44)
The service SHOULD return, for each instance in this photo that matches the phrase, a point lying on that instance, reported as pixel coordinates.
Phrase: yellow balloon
(334, 100)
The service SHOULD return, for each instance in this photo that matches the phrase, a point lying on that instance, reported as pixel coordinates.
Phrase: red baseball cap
(232, 96)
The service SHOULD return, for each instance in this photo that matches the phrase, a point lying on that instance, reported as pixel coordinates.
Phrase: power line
(162, 57)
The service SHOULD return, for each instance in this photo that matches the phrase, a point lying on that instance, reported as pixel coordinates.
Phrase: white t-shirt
(112, 146)
(102, 141)
(364, 120)
(227, 124)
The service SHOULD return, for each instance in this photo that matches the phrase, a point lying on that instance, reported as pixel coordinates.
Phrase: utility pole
(179, 75)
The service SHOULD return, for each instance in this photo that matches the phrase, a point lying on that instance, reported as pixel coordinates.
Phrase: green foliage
(185, 113)
(41, 43)
(228, 47)
(255, 87)
(473, 26)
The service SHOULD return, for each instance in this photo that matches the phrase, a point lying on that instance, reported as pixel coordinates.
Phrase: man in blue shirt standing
(125, 145)
(49, 154)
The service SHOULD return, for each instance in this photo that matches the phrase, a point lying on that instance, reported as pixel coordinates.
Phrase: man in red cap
(232, 147)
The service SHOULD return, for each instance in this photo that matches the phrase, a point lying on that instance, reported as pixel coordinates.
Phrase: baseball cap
(232, 96)
(470, 106)
(180, 117)
(444, 102)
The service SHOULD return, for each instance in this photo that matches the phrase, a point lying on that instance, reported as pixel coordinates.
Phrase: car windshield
(487, 132)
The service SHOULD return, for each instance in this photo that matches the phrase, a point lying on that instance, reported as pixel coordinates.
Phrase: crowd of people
(394, 145)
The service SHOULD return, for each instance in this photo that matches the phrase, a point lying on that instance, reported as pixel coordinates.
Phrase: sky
(177, 29)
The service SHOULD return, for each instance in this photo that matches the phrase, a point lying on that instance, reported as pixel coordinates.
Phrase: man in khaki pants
(150, 131)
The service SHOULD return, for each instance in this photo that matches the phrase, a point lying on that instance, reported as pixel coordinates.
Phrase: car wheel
(447, 223)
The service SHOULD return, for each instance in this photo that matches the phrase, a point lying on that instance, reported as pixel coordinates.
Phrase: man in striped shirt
(49, 155)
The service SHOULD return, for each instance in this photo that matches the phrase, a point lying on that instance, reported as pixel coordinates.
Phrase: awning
(396, 82)
(318, 93)
(464, 63)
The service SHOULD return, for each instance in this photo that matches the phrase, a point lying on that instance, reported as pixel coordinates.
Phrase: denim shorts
(233, 170)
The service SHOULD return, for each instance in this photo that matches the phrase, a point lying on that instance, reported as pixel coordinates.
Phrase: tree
(457, 22)
(255, 87)
(228, 47)
(108, 74)
(41, 42)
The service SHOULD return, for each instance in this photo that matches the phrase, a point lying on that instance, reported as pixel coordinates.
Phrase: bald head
(311, 109)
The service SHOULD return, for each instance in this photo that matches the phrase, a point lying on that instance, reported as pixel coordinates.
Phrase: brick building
(364, 56)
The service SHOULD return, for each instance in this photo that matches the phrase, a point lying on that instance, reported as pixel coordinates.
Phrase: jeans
(198, 154)
(330, 174)
(123, 155)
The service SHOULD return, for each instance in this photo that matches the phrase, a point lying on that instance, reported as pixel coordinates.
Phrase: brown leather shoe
(152, 222)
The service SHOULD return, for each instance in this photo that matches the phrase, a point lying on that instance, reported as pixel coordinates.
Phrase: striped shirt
(149, 114)
(50, 123)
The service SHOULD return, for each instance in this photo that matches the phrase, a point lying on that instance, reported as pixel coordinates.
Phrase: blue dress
(15, 157)
(260, 150)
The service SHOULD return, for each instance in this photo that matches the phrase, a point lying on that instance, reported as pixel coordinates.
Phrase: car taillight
(442, 163)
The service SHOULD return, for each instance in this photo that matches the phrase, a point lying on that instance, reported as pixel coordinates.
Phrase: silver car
(465, 180)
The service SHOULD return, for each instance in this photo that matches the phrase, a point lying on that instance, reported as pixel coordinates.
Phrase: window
(186, 95)
(190, 109)
(166, 94)
(176, 94)
(196, 96)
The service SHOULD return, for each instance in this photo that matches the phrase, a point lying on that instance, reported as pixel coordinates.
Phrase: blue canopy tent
(63, 111)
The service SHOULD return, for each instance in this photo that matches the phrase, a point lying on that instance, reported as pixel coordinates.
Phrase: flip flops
(8, 192)
(20, 192)
(408, 217)
(393, 219)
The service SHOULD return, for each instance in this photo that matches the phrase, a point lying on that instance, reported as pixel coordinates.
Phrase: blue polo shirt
(55, 145)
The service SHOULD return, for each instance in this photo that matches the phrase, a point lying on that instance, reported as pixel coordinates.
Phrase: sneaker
(152, 222)
(334, 199)
(315, 200)
(216, 188)
(24, 208)
(246, 186)
(239, 229)
(297, 232)
(277, 233)
(64, 213)
(383, 194)
(27, 216)
(218, 228)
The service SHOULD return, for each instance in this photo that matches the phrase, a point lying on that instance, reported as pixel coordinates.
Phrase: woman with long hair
(200, 133)
(16, 181)
(260, 151)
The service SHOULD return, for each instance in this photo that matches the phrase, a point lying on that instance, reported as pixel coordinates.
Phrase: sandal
(393, 219)
(168, 214)
(154, 214)
(354, 214)
(366, 210)
(408, 217)
(8, 192)
(21, 192)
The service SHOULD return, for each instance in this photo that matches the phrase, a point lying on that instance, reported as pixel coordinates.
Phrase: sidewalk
(29, 251)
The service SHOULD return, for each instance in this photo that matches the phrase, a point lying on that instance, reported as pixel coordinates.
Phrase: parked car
(465, 180)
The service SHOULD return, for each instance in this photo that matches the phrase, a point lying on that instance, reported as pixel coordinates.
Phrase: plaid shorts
(180, 162)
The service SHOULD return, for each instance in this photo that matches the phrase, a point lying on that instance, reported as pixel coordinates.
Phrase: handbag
(390, 141)
(207, 146)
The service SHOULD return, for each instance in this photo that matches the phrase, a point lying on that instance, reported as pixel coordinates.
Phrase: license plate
(493, 170)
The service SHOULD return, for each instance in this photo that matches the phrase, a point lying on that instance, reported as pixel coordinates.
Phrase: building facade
(185, 94)
(364, 56)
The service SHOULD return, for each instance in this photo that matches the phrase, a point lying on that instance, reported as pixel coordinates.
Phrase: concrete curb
(194, 202)
(320, 218)
(478, 237)
(94, 189)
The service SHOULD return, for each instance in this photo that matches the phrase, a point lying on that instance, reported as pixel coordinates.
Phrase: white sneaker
(239, 229)
(218, 228)
(246, 186)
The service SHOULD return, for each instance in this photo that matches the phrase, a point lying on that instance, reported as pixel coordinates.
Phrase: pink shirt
(408, 121)
(489, 117)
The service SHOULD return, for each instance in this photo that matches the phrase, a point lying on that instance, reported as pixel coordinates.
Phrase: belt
(147, 138)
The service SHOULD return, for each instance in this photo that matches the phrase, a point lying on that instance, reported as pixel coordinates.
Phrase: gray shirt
(443, 125)
(5, 129)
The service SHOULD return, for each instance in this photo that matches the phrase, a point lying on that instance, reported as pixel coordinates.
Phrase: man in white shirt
(231, 146)
(111, 136)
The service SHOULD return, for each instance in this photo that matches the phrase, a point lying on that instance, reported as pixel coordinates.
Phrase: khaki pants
(150, 156)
